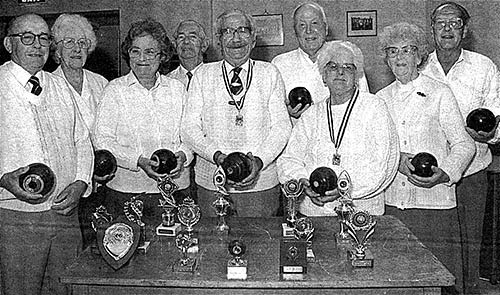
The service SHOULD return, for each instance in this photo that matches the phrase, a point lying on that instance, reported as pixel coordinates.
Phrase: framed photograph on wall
(269, 29)
(361, 23)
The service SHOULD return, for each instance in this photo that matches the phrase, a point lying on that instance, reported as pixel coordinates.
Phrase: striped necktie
(236, 85)
(36, 89)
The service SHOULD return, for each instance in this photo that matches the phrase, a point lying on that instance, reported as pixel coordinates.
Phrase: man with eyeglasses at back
(473, 78)
(39, 123)
(237, 105)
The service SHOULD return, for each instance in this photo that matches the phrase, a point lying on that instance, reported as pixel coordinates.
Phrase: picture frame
(361, 23)
(269, 30)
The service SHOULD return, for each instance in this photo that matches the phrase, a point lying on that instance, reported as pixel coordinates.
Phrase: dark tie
(236, 86)
(190, 75)
(37, 89)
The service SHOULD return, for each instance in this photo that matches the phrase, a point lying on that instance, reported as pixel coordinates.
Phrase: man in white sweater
(237, 105)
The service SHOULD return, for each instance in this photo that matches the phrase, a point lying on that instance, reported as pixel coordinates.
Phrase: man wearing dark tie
(190, 43)
(39, 123)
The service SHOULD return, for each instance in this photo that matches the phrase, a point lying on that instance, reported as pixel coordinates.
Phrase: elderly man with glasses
(39, 123)
(473, 78)
(236, 105)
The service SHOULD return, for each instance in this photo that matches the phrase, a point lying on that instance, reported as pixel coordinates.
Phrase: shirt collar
(132, 79)
(462, 57)
(21, 74)
(184, 71)
(305, 56)
(244, 66)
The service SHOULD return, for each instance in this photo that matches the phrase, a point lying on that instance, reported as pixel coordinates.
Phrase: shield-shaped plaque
(117, 241)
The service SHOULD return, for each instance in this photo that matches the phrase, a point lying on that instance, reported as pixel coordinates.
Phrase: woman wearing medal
(350, 131)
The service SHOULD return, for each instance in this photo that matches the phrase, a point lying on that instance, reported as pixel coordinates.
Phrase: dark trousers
(471, 201)
(440, 232)
(35, 249)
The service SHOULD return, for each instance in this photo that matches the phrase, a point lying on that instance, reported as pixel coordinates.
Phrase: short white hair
(332, 48)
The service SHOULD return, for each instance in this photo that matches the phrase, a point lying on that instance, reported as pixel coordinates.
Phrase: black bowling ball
(104, 163)
(481, 120)
(39, 179)
(423, 163)
(299, 95)
(323, 179)
(237, 166)
(166, 160)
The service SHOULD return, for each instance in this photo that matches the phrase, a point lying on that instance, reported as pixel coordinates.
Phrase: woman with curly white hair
(74, 41)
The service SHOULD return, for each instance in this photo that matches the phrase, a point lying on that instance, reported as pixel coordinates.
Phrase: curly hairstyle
(331, 48)
(155, 30)
(68, 23)
(407, 32)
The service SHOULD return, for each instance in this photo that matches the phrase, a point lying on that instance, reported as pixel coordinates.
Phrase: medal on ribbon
(238, 103)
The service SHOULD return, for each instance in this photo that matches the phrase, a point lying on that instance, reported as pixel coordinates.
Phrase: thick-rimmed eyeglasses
(28, 38)
(69, 43)
(335, 67)
(136, 53)
(455, 24)
(405, 51)
(244, 32)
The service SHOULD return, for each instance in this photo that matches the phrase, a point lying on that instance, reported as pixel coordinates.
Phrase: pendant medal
(336, 159)
(239, 120)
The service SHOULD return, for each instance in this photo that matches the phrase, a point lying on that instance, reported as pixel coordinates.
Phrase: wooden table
(402, 264)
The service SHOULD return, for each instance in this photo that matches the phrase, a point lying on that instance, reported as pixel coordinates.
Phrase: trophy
(100, 218)
(292, 190)
(184, 241)
(168, 226)
(221, 205)
(360, 226)
(237, 267)
(293, 259)
(39, 179)
(345, 207)
(189, 214)
(133, 211)
(304, 231)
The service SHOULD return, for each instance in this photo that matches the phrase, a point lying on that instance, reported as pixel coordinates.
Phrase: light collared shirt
(369, 151)
(210, 121)
(428, 119)
(88, 101)
(180, 73)
(133, 121)
(474, 82)
(44, 129)
(298, 70)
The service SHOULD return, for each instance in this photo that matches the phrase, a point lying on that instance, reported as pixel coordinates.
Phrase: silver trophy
(304, 231)
(168, 227)
(183, 242)
(221, 204)
(292, 190)
(133, 211)
(237, 266)
(361, 226)
(189, 214)
(345, 207)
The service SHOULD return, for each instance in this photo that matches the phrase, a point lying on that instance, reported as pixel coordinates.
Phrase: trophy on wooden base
(345, 208)
(189, 214)
(168, 226)
(237, 267)
(133, 211)
(221, 204)
(304, 231)
(184, 241)
(292, 190)
(293, 259)
(360, 226)
(100, 218)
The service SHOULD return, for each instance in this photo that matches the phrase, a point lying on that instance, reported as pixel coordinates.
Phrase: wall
(170, 12)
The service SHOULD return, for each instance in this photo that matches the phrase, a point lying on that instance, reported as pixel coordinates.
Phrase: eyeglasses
(244, 32)
(28, 38)
(405, 51)
(148, 53)
(335, 67)
(454, 24)
(69, 43)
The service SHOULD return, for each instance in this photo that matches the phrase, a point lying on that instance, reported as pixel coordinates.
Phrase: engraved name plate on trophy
(189, 214)
(237, 267)
(168, 226)
(293, 259)
(344, 209)
(221, 205)
(184, 241)
(304, 231)
(292, 190)
(360, 226)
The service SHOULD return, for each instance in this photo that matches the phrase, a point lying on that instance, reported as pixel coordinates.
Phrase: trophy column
(168, 226)
(344, 209)
(292, 190)
(221, 205)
